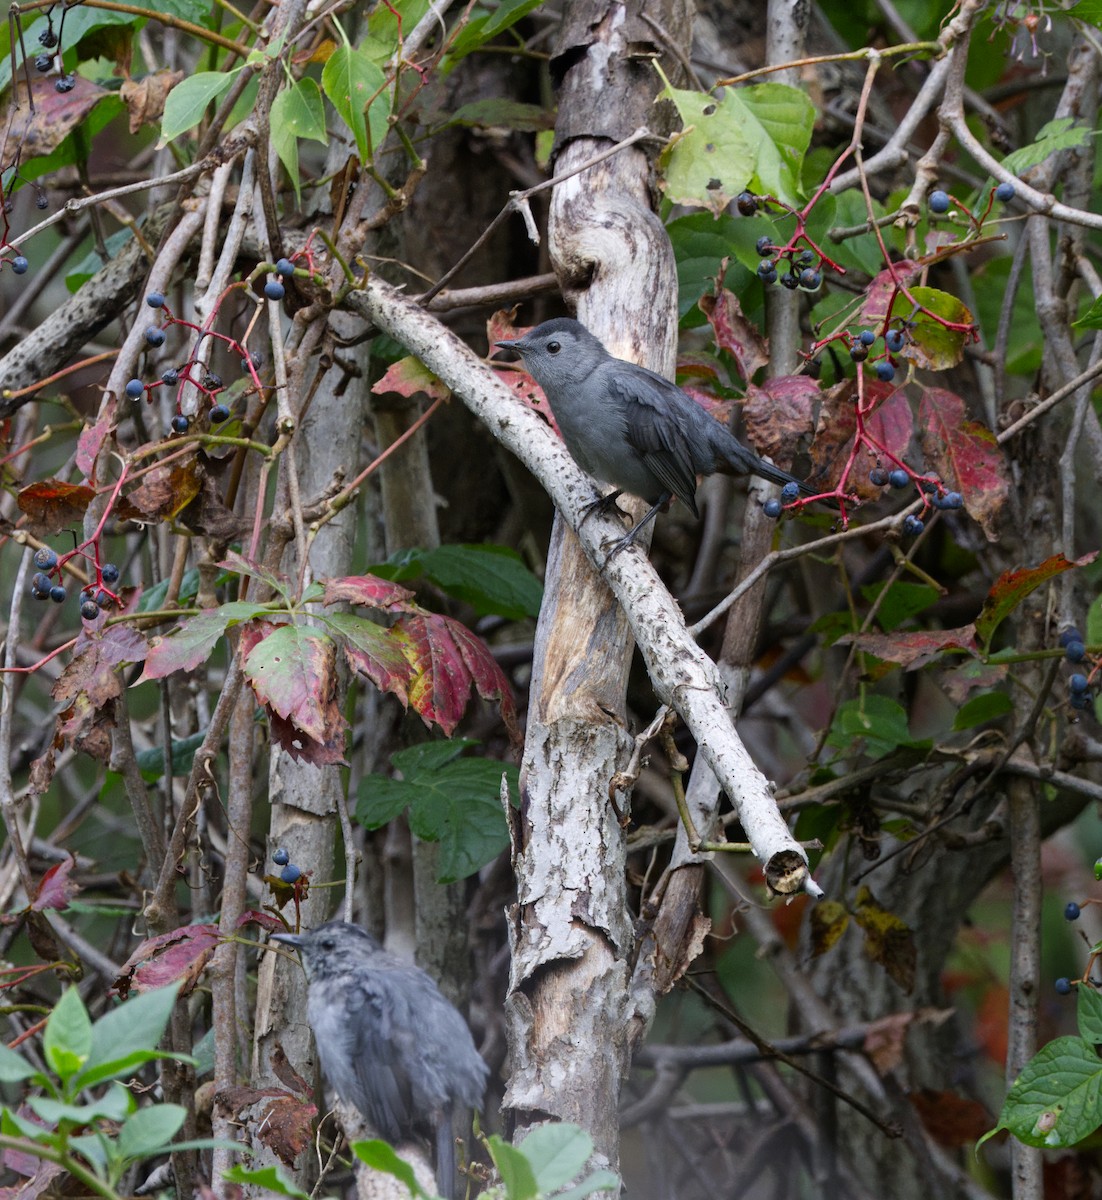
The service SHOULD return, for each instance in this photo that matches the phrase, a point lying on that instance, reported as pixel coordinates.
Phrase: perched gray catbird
(630, 427)
(390, 1044)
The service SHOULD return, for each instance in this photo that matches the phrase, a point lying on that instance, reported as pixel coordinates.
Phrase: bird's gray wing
(381, 1076)
(657, 427)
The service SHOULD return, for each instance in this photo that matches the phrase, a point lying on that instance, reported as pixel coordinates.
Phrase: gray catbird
(390, 1044)
(630, 427)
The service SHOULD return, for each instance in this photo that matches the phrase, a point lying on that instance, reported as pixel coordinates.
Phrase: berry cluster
(46, 583)
(274, 288)
(207, 382)
(792, 265)
(1080, 696)
(289, 873)
(861, 346)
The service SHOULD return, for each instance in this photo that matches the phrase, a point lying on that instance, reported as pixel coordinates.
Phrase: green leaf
(484, 25)
(557, 1154)
(1057, 1099)
(502, 113)
(116, 1105)
(901, 602)
(491, 579)
(1092, 318)
(380, 1156)
(14, 1068)
(195, 637)
(878, 720)
(980, 709)
(1088, 1014)
(153, 598)
(785, 118)
(150, 1130)
(451, 800)
(599, 1181)
(151, 763)
(188, 100)
(1061, 134)
(350, 79)
(67, 1041)
(297, 112)
(93, 262)
(269, 1181)
(711, 160)
(514, 1168)
(136, 1026)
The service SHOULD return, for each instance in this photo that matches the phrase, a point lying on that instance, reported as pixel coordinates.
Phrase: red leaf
(447, 659)
(302, 747)
(734, 333)
(410, 377)
(194, 639)
(180, 954)
(56, 114)
(779, 413)
(265, 920)
(292, 670)
(56, 888)
(965, 454)
(369, 590)
(92, 438)
(912, 650)
(52, 504)
(882, 290)
(1012, 587)
(380, 654)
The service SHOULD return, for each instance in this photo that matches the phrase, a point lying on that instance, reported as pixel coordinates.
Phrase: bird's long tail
(445, 1155)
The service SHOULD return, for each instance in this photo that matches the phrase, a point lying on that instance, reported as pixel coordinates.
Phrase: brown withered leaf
(52, 504)
(87, 727)
(145, 98)
(284, 1123)
(42, 773)
(952, 1120)
(56, 114)
(91, 674)
(828, 922)
(207, 515)
(779, 413)
(164, 492)
(889, 941)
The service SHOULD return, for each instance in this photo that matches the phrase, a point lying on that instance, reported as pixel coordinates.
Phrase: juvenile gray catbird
(390, 1044)
(630, 427)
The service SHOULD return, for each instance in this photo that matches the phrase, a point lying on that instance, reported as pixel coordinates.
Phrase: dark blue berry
(790, 280)
(45, 558)
(1075, 652)
(952, 500)
(180, 423)
(155, 336)
(103, 599)
(769, 276)
(1063, 985)
(57, 593)
(790, 492)
(155, 300)
(41, 583)
(764, 248)
(135, 389)
(171, 377)
(1005, 192)
(859, 352)
(878, 477)
(41, 202)
(766, 266)
(810, 279)
(1078, 683)
(938, 201)
(212, 382)
(1072, 911)
(866, 337)
(110, 573)
(893, 339)
(1080, 700)
(1071, 634)
(280, 857)
(885, 372)
(48, 38)
(746, 203)
(290, 873)
(43, 62)
(913, 526)
(20, 265)
(89, 610)
(286, 267)
(274, 290)
(219, 413)
(66, 83)
(772, 508)
(899, 478)
(805, 258)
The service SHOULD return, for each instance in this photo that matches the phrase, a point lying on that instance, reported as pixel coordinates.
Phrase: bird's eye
(554, 347)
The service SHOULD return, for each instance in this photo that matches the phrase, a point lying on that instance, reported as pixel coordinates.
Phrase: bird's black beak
(287, 939)
(510, 345)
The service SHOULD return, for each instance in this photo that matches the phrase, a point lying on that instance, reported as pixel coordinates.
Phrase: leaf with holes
(195, 638)
(292, 670)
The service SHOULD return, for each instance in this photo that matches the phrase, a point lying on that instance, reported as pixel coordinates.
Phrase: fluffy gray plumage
(629, 427)
(389, 1043)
